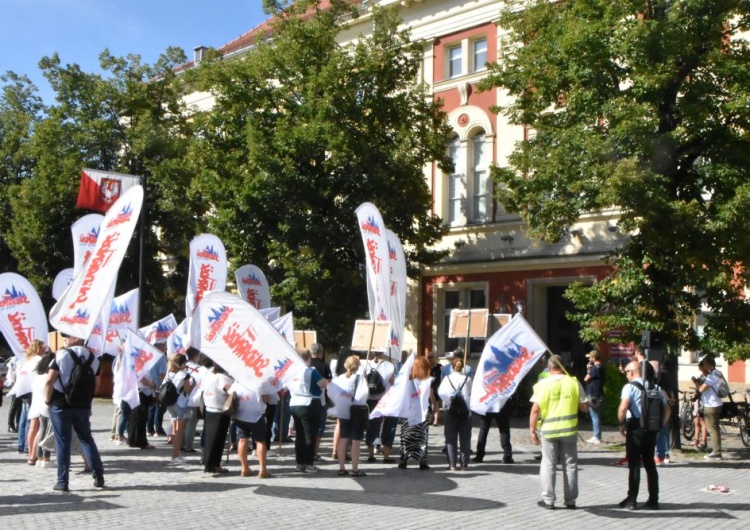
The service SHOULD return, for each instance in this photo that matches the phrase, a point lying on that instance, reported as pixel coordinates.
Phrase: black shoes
(628, 504)
(402, 464)
(99, 481)
(478, 459)
(508, 460)
(546, 506)
(63, 488)
(423, 466)
(652, 505)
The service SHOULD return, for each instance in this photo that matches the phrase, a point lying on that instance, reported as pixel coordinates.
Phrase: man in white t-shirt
(711, 402)
(383, 427)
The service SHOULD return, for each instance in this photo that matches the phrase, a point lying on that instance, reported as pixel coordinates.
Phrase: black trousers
(306, 424)
(502, 419)
(639, 447)
(137, 422)
(14, 413)
(215, 428)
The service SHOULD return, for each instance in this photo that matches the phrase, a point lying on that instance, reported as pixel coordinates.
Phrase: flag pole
(141, 253)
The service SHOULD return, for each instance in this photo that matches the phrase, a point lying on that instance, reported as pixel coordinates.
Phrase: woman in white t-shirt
(215, 422)
(346, 390)
(39, 412)
(27, 430)
(456, 429)
(251, 423)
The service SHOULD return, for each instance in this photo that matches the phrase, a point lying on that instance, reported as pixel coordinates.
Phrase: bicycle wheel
(686, 421)
(745, 428)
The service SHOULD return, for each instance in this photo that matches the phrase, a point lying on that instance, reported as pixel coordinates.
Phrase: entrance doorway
(562, 334)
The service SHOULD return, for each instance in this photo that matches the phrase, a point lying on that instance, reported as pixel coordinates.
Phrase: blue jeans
(662, 442)
(23, 427)
(122, 424)
(64, 422)
(596, 423)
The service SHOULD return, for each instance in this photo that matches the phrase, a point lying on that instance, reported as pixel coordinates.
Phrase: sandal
(220, 469)
(32, 461)
(248, 473)
(343, 473)
(358, 473)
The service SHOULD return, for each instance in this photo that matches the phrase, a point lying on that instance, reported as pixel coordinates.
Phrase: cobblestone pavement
(142, 491)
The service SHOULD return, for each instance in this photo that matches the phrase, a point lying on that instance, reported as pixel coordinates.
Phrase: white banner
(125, 382)
(22, 318)
(239, 339)
(285, 326)
(507, 357)
(397, 298)
(62, 280)
(143, 354)
(395, 402)
(160, 330)
(96, 342)
(372, 228)
(271, 313)
(76, 311)
(179, 339)
(85, 233)
(208, 269)
(253, 286)
(123, 314)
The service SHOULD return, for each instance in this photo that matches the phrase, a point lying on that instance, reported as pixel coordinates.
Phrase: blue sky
(79, 30)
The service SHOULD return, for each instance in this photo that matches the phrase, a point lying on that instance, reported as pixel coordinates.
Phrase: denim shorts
(178, 413)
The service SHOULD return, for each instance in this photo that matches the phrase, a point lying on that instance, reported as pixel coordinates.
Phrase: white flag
(243, 342)
(85, 233)
(76, 311)
(285, 326)
(253, 286)
(144, 355)
(179, 339)
(395, 402)
(397, 298)
(22, 318)
(62, 280)
(208, 269)
(160, 330)
(123, 314)
(372, 228)
(507, 357)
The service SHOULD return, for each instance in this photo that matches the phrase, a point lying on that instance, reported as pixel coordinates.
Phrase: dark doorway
(562, 334)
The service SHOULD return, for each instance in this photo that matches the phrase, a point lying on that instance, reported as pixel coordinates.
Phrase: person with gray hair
(556, 402)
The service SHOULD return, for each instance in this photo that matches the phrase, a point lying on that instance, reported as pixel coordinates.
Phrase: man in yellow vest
(556, 401)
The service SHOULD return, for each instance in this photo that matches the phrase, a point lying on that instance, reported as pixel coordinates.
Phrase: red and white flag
(253, 286)
(143, 354)
(85, 233)
(99, 190)
(208, 269)
(77, 310)
(22, 318)
(122, 314)
(179, 339)
(243, 342)
(507, 357)
(397, 298)
(96, 341)
(160, 330)
(372, 228)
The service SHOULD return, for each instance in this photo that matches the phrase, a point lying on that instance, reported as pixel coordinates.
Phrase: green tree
(20, 110)
(641, 105)
(129, 121)
(303, 131)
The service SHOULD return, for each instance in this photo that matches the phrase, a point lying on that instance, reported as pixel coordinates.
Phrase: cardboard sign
(468, 323)
(305, 339)
(371, 335)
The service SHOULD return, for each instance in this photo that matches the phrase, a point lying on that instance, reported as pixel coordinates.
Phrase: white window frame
(464, 302)
(461, 185)
(478, 65)
(450, 61)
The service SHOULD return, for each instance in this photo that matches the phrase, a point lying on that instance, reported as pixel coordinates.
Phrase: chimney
(198, 53)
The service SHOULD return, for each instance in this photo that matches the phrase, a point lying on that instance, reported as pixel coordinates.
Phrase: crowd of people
(52, 406)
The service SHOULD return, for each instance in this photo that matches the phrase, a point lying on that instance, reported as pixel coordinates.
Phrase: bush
(613, 384)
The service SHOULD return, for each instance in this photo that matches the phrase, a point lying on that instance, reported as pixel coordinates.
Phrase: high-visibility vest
(558, 404)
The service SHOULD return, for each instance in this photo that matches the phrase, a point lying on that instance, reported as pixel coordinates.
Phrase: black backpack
(168, 393)
(652, 407)
(80, 390)
(458, 408)
(375, 383)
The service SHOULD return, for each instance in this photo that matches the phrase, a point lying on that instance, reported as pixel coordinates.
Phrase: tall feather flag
(22, 318)
(372, 229)
(208, 269)
(179, 339)
(243, 342)
(253, 286)
(99, 190)
(85, 233)
(507, 357)
(123, 314)
(395, 402)
(77, 310)
(397, 298)
(97, 340)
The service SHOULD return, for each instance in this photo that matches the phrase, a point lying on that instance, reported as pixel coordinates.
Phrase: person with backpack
(455, 393)
(379, 375)
(642, 413)
(556, 402)
(71, 380)
(710, 390)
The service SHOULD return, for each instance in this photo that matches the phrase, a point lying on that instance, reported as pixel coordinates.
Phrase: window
(461, 298)
(469, 180)
(480, 55)
(455, 62)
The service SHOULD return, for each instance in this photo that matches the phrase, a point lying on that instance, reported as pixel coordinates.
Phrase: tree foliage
(642, 105)
(303, 131)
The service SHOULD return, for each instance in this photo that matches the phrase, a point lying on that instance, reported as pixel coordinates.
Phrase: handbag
(48, 442)
(358, 414)
(230, 405)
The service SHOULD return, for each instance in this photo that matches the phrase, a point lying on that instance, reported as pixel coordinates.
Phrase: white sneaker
(177, 460)
(594, 441)
(311, 469)
(43, 463)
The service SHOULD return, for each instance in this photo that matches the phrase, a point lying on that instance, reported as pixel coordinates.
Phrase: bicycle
(744, 419)
(687, 425)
